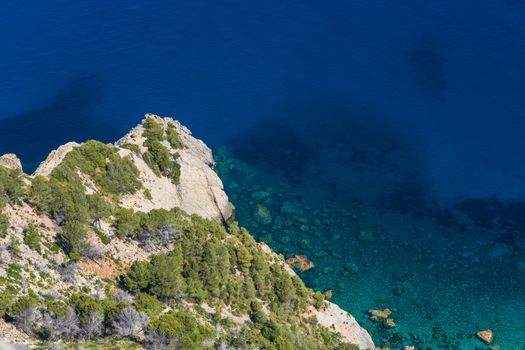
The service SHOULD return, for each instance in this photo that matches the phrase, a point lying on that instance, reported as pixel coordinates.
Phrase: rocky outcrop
(11, 161)
(333, 317)
(199, 191)
(486, 336)
(54, 158)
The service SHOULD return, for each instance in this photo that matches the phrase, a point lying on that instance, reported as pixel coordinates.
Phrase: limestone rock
(486, 336)
(328, 294)
(199, 191)
(301, 262)
(333, 317)
(10, 161)
(376, 315)
(54, 158)
(389, 323)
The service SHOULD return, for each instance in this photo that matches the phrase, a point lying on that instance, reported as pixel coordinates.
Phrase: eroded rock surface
(11, 161)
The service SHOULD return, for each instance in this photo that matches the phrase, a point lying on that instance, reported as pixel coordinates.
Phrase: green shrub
(126, 223)
(132, 147)
(72, 236)
(173, 137)
(158, 157)
(110, 172)
(84, 305)
(150, 304)
(7, 298)
(4, 225)
(22, 304)
(138, 277)
(14, 271)
(161, 277)
(183, 326)
(32, 237)
(318, 300)
(153, 131)
(56, 307)
(11, 186)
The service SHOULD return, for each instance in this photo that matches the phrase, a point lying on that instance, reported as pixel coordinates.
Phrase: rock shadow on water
(68, 117)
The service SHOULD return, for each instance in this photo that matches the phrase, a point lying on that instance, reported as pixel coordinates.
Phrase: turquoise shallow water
(442, 281)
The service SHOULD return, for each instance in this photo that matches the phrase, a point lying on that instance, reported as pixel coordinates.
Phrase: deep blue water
(446, 76)
(381, 103)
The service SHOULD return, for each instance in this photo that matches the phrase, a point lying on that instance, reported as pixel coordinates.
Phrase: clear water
(364, 115)
(443, 280)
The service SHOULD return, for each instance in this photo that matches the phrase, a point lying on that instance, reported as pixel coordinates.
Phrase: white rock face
(54, 158)
(11, 161)
(341, 321)
(199, 191)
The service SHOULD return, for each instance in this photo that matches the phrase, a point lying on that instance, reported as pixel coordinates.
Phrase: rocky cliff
(90, 229)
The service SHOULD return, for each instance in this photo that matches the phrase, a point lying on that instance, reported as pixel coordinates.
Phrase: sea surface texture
(382, 139)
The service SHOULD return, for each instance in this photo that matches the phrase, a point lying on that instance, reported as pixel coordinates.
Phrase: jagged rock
(11, 161)
(54, 158)
(379, 314)
(301, 262)
(332, 316)
(328, 294)
(389, 323)
(199, 191)
(486, 336)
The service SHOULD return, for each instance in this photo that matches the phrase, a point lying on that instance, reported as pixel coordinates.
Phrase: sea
(385, 139)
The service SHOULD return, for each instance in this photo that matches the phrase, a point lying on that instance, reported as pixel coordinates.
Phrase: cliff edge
(136, 240)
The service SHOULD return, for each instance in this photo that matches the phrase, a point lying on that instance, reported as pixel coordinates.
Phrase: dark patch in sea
(68, 117)
(428, 61)
(273, 143)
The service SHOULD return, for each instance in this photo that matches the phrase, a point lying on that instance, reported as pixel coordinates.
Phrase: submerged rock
(262, 215)
(351, 267)
(287, 209)
(383, 317)
(301, 262)
(376, 315)
(304, 244)
(328, 294)
(365, 235)
(486, 336)
(260, 195)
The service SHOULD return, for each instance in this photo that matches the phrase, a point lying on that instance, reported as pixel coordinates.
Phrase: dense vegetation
(199, 277)
(157, 156)
(63, 195)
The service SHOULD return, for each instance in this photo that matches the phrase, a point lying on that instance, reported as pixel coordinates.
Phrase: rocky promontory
(135, 244)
